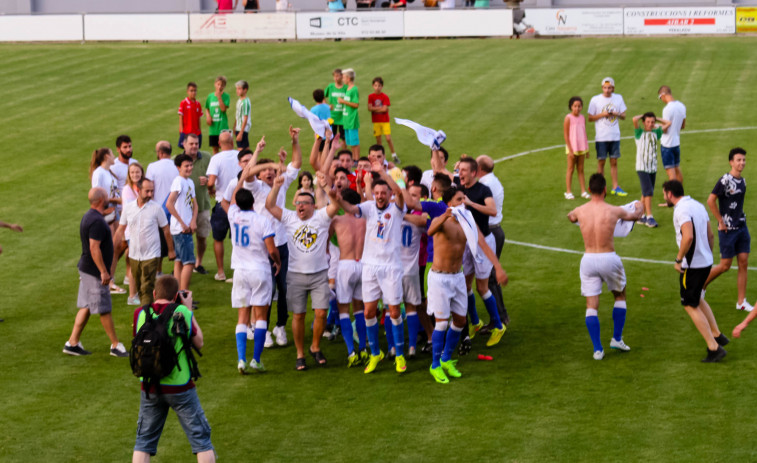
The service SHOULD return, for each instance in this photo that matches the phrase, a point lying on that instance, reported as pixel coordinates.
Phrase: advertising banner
(459, 23)
(574, 21)
(135, 27)
(52, 28)
(350, 24)
(260, 26)
(679, 20)
(746, 19)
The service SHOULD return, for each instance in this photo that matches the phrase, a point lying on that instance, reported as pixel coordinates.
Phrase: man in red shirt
(190, 112)
(378, 105)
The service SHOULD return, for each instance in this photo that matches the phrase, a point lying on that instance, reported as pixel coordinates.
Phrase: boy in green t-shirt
(350, 118)
(242, 121)
(647, 139)
(333, 92)
(216, 105)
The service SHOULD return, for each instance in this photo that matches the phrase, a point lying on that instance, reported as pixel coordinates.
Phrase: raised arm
(333, 206)
(294, 134)
(664, 124)
(352, 209)
(399, 199)
(636, 121)
(270, 201)
(321, 187)
(438, 223)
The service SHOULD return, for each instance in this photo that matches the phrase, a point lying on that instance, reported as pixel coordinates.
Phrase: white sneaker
(126, 281)
(268, 340)
(569, 195)
(119, 350)
(585, 195)
(599, 355)
(242, 367)
(133, 300)
(619, 345)
(281, 335)
(220, 277)
(745, 306)
(396, 159)
(258, 367)
(250, 333)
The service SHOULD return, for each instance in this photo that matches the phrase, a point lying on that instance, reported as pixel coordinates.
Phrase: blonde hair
(128, 176)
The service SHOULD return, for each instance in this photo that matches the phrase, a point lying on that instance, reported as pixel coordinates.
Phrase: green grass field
(543, 398)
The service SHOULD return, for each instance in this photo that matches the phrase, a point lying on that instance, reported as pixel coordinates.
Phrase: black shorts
(219, 223)
(245, 143)
(692, 282)
(213, 141)
(337, 129)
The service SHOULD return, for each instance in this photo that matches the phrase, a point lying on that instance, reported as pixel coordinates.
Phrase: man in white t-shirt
(146, 221)
(382, 271)
(252, 244)
(223, 168)
(675, 112)
(605, 110)
(307, 232)
(162, 172)
(182, 205)
(694, 261)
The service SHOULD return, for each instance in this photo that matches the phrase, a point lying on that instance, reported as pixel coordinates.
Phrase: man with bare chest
(599, 264)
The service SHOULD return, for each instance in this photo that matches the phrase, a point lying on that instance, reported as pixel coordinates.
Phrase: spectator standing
(201, 159)
(333, 92)
(350, 116)
(162, 172)
(243, 120)
(675, 112)
(378, 105)
(190, 112)
(216, 105)
(605, 110)
(182, 205)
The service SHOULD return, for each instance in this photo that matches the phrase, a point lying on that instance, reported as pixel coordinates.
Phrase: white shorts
(446, 293)
(382, 282)
(334, 254)
(411, 288)
(349, 278)
(481, 264)
(601, 267)
(251, 287)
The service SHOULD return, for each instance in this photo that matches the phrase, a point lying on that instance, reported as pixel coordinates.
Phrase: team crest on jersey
(305, 238)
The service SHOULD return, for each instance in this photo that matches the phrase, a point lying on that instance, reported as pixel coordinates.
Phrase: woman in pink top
(576, 145)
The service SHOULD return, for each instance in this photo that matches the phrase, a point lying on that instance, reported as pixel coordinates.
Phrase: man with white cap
(604, 110)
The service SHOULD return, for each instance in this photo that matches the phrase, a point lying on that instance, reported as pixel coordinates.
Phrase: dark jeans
(280, 282)
(494, 287)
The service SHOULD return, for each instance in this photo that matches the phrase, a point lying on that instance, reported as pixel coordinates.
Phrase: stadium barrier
(377, 24)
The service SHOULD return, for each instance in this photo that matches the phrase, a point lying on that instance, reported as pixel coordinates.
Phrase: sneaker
(497, 334)
(392, 353)
(327, 333)
(115, 289)
(353, 360)
(618, 191)
(652, 223)
(220, 277)
(620, 345)
(439, 375)
(200, 269)
(257, 367)
(242, 367)
(474, 329)
(396, 159)
(280, 333)
(400, 364)
(373, 362)
(585, 195)
(722, 340)
(268, 340)
(229, 280)
(714, 356)
(450, 367)
(75, 350)
(745, 306)
(250, 333)
(335, 332)
(642, 220)
(569, 195)
(126, 281)
(132, 300)
(119, 350)
(364, 357)
(464, 347)
(428, 348)
(411, 352)
(599, 354)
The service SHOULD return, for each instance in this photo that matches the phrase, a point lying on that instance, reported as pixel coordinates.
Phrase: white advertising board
(135, 27)
(350, 25)
(575, 21)
(459, 23)
(52, 28)
(680, 20)
(260, 26)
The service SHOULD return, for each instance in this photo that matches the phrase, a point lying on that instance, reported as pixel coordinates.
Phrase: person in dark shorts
(693, 262)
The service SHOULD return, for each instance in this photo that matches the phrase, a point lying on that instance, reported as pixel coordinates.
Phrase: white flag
(319, 126)
(429, 137)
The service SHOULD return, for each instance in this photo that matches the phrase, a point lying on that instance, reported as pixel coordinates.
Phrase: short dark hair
(647, 115)
(424, 191)
(736, 151)
(264, 161)
(413, 174)
(597, 183)
(673, 187)
(166, 287)
(243, 153)
(122, 139)
(361, 158)
(471, 162)
(191, 84)
(341, 169)
(573, 99)
(181, 159)
(305, 193)
(318, 95)
(141, 181)
(379, 80)
(341, 152)
(442, 181)
(377, 147)
(244, 198)
(380, 182)
(449, 193)
(445, 153)
(351, 196)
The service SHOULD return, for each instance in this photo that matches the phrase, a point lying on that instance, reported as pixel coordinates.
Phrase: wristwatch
(678, 261)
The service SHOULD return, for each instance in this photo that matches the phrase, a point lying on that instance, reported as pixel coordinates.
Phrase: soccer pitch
(543, 398)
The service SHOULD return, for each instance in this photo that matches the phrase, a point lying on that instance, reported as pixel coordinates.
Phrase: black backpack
(152, 355)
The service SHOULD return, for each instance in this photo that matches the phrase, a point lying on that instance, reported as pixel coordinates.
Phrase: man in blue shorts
(605, 110)
(726, 203)
(675, 112)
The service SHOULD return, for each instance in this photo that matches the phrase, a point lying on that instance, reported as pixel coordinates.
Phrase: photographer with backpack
(161, 355)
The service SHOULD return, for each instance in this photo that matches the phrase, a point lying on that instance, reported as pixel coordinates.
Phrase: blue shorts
(184, 247)
(182, 136)
(671, 157)
(605, 147)
(734, 242)
(152, 417)
(351, 137)
(219, 223)
(647, 182)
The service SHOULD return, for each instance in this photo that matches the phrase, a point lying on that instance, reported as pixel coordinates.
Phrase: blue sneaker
(618, 191)
(651, 222)
(642, 220)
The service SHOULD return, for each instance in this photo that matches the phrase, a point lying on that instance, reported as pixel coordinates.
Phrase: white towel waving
(319, 126)
(429, 137)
